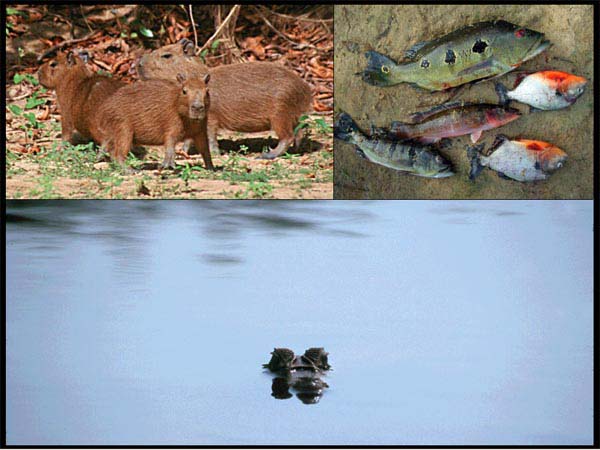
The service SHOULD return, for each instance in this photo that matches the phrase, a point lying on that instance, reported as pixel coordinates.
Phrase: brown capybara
(155, 112)
(79, 92)
(246, 97)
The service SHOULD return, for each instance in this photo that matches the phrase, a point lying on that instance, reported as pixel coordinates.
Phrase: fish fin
(379, 132)
(486, 66)
(474, 154)
(502, 94)
(422, 115)
(503, 176)
(412, 52)
(498, 141)
(534, 110)
(378, 69)
(427, 139)
(399, 130)
(360, 152)
(475, 136)
(520, 76)
(344, 126)
(444, 143)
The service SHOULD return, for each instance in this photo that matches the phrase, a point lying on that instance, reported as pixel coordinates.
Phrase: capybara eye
(53, 64)
(184, 90)
(166, 55)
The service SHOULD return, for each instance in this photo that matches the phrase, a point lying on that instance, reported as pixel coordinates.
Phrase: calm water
(446, 322)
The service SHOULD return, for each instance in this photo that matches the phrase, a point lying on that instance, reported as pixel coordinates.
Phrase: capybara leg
(280, 149)
(169, 161)
(201, 143)
(212, 127)
(122, 141)
(67, 130)
(298, 138)
(188, 147)
(285, 132)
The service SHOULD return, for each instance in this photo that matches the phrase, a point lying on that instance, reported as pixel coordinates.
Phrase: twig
(299, 18)
(193, 27)
(220, 29)
(85, 18)
(294, 43)
(67, 43)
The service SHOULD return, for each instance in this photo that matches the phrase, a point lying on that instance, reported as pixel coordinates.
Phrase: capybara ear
(71, 58)
(206, 78)
(181, 78)
(188, 47)
(84, 55)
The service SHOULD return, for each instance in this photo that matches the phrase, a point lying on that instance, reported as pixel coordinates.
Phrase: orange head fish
(549, 156)
(568, 85)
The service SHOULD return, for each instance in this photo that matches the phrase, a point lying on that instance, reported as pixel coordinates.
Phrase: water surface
(446, 322)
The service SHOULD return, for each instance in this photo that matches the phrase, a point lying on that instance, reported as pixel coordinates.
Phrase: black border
(596, 442)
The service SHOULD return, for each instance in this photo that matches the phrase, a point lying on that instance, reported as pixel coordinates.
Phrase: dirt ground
(39, 165)
(393, 29)
(74, 173)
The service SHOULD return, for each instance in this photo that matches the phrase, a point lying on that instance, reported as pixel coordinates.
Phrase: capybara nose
(197, 109)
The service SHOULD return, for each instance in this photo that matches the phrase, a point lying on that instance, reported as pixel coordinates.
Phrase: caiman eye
(385, 69)
(520, 33)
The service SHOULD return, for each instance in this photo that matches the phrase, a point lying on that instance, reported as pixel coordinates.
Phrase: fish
(406, 156)
(451, 120)
(519, 159)
(546, 90)
(479, 51)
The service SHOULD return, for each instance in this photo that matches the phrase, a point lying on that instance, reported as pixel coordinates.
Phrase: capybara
(246, 97)
(155, 112)
(79, 92)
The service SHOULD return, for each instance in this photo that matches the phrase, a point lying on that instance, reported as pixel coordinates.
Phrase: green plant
(317, 124)
(213, 48)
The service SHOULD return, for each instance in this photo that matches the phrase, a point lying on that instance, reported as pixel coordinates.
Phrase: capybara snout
(196, 94)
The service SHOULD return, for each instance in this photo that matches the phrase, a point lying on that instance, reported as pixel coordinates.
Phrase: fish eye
(559, 165)
(520, 33)
(385, 69)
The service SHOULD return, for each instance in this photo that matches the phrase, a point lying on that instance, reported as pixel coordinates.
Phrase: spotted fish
(474, 52)
(406, 156)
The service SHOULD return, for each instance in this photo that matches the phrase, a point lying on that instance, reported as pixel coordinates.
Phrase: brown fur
(79, 92)
(171, 112)
(246, 97)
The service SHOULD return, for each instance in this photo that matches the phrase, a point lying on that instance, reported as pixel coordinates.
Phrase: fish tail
(502, 94)
(379, 69)
(399, 129)
(343, 127)
(474, 154)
